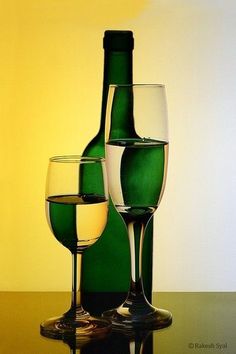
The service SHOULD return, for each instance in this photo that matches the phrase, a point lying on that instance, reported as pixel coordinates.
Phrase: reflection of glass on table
(198, 318)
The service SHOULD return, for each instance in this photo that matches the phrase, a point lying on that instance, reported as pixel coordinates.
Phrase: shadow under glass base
(131, 315)
(85, 327)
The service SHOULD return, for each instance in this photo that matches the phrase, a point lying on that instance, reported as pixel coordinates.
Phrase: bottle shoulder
(95, 147)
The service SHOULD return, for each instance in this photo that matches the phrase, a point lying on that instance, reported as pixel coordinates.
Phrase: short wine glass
(136, 158)
(77, 216)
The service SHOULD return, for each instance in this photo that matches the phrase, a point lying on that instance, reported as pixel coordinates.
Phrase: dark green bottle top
(118, 40)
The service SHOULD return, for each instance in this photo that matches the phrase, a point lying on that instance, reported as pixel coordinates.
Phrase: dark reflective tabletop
(202, 323)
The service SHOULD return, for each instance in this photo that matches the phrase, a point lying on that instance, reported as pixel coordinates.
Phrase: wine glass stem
(136, 237)
(76, 281)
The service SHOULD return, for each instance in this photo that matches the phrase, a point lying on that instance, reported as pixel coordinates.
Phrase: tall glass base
(137, 313)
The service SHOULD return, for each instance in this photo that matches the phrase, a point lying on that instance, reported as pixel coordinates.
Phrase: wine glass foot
(85, 328)
(124, 318)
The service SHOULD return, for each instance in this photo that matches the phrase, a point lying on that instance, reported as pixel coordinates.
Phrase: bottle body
(106, 265)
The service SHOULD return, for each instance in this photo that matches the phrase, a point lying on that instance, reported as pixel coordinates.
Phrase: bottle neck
(118, 69)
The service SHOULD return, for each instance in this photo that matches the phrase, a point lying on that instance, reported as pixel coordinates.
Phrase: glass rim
(76, 159)
(138, 85)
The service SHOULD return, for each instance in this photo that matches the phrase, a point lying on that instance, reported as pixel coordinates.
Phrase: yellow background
(51, 64)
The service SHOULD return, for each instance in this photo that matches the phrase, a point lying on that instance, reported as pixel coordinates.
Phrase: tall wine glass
(136, 158)
(77, 216)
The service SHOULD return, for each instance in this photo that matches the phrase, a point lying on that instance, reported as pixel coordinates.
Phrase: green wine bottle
(106, 265)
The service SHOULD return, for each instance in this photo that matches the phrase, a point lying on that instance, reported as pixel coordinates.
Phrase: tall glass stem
(136, 230)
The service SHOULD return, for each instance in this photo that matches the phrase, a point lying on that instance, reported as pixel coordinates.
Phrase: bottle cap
(118, 40)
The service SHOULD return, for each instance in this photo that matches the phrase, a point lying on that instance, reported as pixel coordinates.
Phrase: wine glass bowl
(77, 214)
(136, 158)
